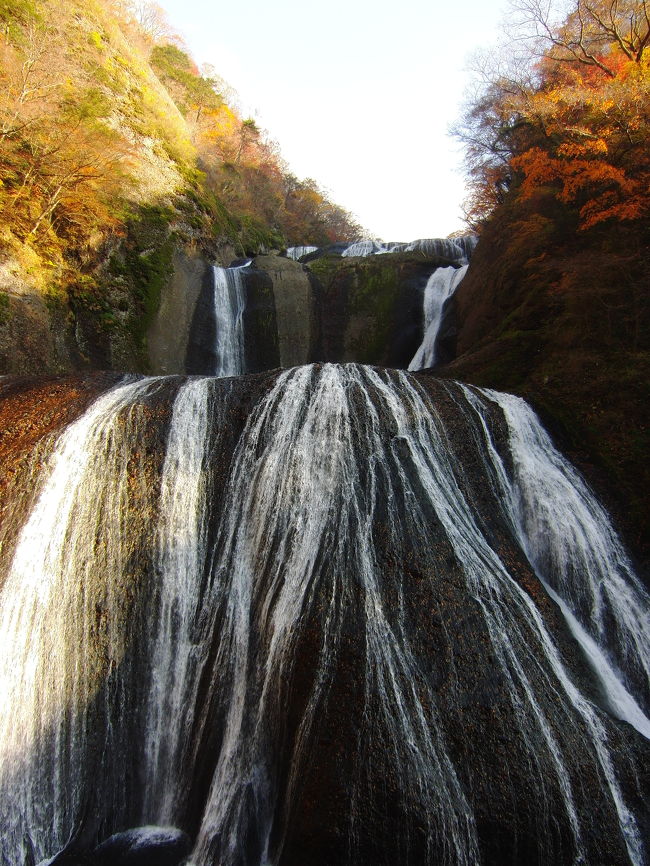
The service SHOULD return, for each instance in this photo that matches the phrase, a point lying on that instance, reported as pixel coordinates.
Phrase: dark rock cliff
(366, 310)
(563, 318)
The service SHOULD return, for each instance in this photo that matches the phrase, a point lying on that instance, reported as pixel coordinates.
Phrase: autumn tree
(152, 20)
(569, 115)
(80, 111)
(58, 156)
(590, 35)
(146, 19)
(310, 217)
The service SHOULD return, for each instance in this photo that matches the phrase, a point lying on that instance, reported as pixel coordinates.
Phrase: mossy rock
(371, 308)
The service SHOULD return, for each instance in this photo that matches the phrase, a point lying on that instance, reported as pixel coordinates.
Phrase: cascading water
(449, 248)
(570, 542)
(229, 302)
(297, 253)
(440, 286)
(456, 250)
(364, 248)
(179, 557)
(467, 243)
(313, 639)
(61, 624)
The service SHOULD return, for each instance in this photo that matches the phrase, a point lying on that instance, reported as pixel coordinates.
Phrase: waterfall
(457, 250)
(446, 247)
(296, 253)
(440, 286)
(467, 243)
(575, 551)
(299, 514)
(364, 248)
(61, 621)
(179, 557)
(322, 624)
(229, 302)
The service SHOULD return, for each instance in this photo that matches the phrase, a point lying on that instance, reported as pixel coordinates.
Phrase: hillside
(116, 154)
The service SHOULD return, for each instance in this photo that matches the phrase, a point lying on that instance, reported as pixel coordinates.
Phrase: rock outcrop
(371, 308)
(295, 300)
(168, 337)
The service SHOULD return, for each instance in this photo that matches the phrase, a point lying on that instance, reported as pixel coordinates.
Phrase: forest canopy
(103, 111)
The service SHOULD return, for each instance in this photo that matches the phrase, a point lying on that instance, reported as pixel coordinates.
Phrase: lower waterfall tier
(335, 614)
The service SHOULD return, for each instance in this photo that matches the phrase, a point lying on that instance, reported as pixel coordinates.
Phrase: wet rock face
(354, 803)
(32, 338)
(200, 356)
(367, 310)
(261, 321)
(168, 337)
(371, 308)
(294, 301)
(368, 679)
(144, 846)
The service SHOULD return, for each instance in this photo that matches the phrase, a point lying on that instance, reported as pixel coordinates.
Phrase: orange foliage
(77, 101)
(602, 191)
(578, 129)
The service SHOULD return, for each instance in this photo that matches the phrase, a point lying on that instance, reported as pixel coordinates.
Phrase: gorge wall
(562, 317)
(266, 598)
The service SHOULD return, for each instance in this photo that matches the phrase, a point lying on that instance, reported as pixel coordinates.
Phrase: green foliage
(171, 61)
(223, 222)
(148, 264)
(254, 236)
(85, 292)
(95, 39)
(133, 278)
(89, 105)
(176, 67)
(14, 13)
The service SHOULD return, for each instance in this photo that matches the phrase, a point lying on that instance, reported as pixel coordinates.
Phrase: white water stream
(60, 632)
(576, 553)
(440, 286)
(229, 303)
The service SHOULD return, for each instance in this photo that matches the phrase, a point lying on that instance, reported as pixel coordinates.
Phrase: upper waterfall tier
(309, 617)
(298, 252)
(229, 321)
(440, 287)
(458, 249)
(366, 302)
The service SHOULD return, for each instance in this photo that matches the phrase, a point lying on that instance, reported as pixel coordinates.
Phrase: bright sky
(358, 94)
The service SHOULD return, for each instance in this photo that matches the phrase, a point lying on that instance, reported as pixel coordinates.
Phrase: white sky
(358, 94)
